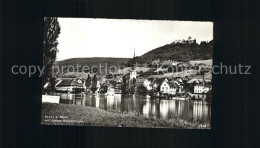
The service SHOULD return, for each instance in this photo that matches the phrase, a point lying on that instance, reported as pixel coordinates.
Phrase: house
(101, 80)
(179, 84)
(168, 87)
(200, 88)
(156, 83)
(109, 76)
(118, 79)
(178, 79)
(118, 88)
(70, 85)
(169, 62)
(110, 90)
(177, 41)
(200, 91)
(140, 80)
(174, 63)
(151, 79)
(143, 81)
(98, 85)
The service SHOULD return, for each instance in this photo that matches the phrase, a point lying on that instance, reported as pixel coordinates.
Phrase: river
(188, 110)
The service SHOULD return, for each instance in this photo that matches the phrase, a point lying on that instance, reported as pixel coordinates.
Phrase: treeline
(183, 51)
(89, 64)
(92, 61)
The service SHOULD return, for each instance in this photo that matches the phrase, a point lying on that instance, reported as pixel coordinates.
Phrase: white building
(98, 86)
(133, 74)
(145, 82)
(70, 84)
(199, 89)
(155, 84)
(110, 90)
(168, 87)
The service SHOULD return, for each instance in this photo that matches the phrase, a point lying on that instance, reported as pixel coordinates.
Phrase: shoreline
(74, 115)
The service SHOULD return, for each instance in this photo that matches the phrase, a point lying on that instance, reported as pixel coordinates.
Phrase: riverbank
(64, 114)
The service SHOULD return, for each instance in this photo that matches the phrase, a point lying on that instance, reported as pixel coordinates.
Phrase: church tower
(133, 71)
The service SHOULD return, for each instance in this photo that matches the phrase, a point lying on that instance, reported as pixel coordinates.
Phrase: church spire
(134, 52)
(133, 62)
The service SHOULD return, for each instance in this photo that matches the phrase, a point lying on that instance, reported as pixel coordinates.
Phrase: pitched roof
(65, 82)
(46, 85)
(151, 79)
(199, 85)
(77, 82)
(117, 79)
(172, 84)
(158, 81)
(178, 83)
(192, 80)
(70, 82)
(140, 80)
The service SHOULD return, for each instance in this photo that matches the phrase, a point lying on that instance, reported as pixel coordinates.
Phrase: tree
(52, 84)
(94, 84)
(50, 43)
(152, 92)
(141, 90)
(88, 78)
(209, 95)
(124, 87)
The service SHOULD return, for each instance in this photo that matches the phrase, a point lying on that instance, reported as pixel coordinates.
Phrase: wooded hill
(184, 51)
(95, 61)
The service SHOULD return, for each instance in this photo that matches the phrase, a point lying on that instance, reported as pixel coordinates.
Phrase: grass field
(65, 114)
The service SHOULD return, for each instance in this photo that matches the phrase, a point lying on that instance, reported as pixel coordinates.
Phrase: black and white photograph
(130, 74)
(127, 73)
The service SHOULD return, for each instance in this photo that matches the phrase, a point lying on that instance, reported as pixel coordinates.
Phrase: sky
(88, 37)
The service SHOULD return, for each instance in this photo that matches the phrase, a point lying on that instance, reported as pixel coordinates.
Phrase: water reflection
(166, 109)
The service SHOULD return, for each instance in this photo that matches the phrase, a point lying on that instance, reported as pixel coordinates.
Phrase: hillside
(84, 65)
(92, 61)
(179, 51)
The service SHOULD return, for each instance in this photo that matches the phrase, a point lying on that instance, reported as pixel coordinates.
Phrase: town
(128, 75)
(149, 82)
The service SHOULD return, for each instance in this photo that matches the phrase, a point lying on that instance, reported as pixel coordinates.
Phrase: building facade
(168, 88)
(199, 89)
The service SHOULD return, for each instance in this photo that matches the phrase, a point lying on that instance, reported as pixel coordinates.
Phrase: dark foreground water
(165, 109)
